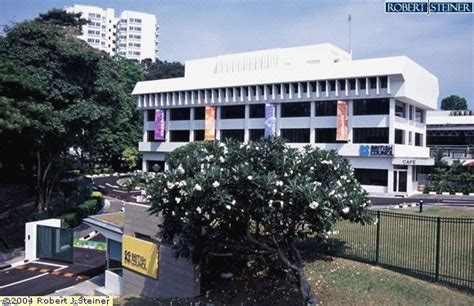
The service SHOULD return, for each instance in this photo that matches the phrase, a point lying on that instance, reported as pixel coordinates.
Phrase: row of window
(278, 89)
(93, 41)
(136, 45)
(135, 29)
(322, 135)
(94, 24)
(93, 32)
(288, 110)
(136, 20)
(401, 134)
(133, 52)
(133, 36)
(401, 110)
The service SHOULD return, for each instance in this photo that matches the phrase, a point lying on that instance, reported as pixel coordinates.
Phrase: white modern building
(380, 126)
(133, 35)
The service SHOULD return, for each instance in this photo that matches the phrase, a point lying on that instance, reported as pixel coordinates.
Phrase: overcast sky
(443, 44)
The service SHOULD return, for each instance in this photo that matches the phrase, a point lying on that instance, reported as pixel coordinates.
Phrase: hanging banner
(210, 123)
(159, 124)
(270, 120)
(341, 121)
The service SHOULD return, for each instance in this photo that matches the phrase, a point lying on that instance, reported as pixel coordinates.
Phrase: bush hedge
(83, 210)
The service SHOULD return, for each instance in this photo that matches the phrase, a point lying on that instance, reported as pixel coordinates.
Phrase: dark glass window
(363, 83)
(383, 82)
(261, 89)
(296, 109)
(256, 134)
(313, 86)
(326, 135)
(371, 107)
(400, 109)
(278, 89)
(257, 111)
(410, 114)
(150, 114)
(151, 137)
(114, 252)
(322, 86)
(295, 135)
(373, 83)
(370, 135)
(177, 114)
(270, 89)
(418, 139)
(233, 134)
(287, 88)
(352, 84)
(179, 136)
(342, 85)
(198, 135)
(233, 112)
(199, 113)
(155, 165)
(326, 108)
(254, 90)
(419, 115)
(399, 139)
(305, 87)
(332, 85)
(375, 177)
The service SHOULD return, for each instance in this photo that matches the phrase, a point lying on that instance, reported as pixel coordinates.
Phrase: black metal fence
(437, 248)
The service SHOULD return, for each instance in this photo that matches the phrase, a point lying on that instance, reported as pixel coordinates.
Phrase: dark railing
(436, 248)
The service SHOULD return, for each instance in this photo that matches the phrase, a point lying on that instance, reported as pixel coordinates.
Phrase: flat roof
(115, 219)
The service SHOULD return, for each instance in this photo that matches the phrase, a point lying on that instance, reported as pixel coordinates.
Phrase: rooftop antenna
(349, 19)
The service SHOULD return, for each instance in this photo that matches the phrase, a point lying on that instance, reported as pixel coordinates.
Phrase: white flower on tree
(313, 205)
(346, 210)
(197, 187)
(215, 184)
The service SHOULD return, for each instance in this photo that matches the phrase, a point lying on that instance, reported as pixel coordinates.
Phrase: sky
(189, 29)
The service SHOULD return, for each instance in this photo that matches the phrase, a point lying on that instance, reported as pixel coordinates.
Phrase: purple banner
(270, 120)
(159, 124)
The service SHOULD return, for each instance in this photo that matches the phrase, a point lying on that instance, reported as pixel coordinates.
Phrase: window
(410, 112)
(233, 112)
(295, 135)
(418, 139)
(400, 109)
(198, 135)
(370, 135)
(151, 136)
(155, 165)
(383, 82)
(322, 86)
(332, 85)
(287, 88)
(177, 114)
(313, 86)
(342, 85)
(352, 84)
(363, 83)
(326, 108)
(256, 134)
(399, 136)
(150, 113)
(233, 134)
(373, 83)
(114, 253)
(375, 177)
(371, 107)
(296, 109)
(327, 135)
(179, 136)
(419, 115)
(305, 87)
(257, 111)
(199, 113)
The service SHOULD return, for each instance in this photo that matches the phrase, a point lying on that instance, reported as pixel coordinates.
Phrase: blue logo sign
(427, 7)
(364, 150)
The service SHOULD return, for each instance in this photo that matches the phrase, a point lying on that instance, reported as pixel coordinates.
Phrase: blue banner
(270, 120)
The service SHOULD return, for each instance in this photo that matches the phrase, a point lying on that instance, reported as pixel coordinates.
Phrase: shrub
(89, 207)
(71, 220)
(256, 199)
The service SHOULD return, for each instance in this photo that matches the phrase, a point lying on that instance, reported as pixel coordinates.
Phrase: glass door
(399, 181)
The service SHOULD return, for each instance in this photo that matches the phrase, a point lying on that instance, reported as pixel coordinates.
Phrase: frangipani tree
(234, 199)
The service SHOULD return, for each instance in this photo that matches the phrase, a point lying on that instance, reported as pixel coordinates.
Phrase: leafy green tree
(131, 156)
(454, 102)
(58, 93)
(161, 69)
(233, 199)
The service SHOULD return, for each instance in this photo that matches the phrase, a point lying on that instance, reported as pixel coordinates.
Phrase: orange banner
(341, 121)
(210, 123)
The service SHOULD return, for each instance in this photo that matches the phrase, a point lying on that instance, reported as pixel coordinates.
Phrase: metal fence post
(438, 246)
(377, 243)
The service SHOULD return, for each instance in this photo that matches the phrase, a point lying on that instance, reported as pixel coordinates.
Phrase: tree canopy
(233, 199)
(58, 93)
(454, 102)
(161, 69)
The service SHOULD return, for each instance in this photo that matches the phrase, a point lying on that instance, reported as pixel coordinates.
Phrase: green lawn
(337, 282)
(408, 240)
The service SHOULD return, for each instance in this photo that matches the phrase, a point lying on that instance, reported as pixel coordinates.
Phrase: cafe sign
(140, 256)
(413, 161)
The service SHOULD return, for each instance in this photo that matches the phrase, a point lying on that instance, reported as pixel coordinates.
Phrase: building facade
(372, 111)
(133, 35)
(453, 133)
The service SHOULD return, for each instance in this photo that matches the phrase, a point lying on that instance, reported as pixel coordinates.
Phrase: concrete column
(191, 125)
(391, 122)
(246, 123)
(312, 123)
(278, 116)
(218, 122)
